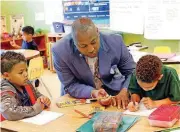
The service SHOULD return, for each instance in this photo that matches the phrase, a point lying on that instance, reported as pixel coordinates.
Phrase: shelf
(8, 40)
(42, 49)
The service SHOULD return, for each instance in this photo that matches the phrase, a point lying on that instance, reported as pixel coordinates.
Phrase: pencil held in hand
(133, 106)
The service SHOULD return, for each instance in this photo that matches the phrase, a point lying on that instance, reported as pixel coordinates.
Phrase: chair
(162, 49)
(35, 71)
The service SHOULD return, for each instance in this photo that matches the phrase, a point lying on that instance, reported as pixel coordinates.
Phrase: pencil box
(108, 122)
(63, 104)
(164, 116)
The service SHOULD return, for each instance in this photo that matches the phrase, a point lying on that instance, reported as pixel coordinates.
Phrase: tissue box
(164, 116)
(108, 122)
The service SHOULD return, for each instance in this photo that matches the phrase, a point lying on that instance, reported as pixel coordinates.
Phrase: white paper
(43, 118)
(127, 16)
(137, 55)
(162, 19)
(39, 16)
(176, 58)
(143, 111)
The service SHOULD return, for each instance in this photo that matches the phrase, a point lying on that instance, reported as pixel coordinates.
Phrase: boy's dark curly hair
(28, 30)
(148, 68)
(9, 59)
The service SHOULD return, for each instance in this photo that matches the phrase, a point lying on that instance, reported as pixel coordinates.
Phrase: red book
(165, 116)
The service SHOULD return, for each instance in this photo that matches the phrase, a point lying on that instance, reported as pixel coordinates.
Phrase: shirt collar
(163, 78)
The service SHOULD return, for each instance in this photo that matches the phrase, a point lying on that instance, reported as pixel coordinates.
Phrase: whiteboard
(127, 16)
(162, 19)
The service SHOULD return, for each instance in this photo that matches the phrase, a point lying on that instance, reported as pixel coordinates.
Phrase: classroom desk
(70, 121)
(29, 54)
(173, 60)
(138, 54)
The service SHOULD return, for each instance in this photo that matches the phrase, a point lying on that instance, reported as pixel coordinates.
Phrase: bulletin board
(17, 22)
(97, 10)
(3, 24)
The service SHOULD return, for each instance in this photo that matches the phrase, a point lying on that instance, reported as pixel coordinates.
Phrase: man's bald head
(82, 25)
(86, 37)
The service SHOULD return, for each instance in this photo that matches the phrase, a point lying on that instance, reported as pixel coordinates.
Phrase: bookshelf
(40, 40)
(52, 38)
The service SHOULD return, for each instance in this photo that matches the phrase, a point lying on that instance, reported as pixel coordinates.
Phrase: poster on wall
(17, 22)
(3, 24)
(97, 10)
(127, 16)
(162, 20)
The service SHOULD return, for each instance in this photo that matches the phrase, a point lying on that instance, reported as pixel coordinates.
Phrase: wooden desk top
(70, 121)
(138, 54)
(29, 54)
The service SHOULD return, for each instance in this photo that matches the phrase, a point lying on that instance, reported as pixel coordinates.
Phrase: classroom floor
(52, 82)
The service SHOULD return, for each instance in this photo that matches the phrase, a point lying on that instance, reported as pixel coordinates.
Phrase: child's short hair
(28, 30)
(9, 59)
(148, 68)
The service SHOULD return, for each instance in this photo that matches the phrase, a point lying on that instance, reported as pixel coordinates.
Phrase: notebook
(143, 111)
(42, 118)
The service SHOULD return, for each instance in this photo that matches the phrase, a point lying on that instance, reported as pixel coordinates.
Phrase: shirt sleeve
(126, 63)
(35, 47)
(37, 93)
(71, 85)
(174, 94)
(133, 86)
(24, 46)
(11, 110)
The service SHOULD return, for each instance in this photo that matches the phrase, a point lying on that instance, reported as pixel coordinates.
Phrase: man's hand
(106, 101)
(121, 100)
(45, 100)
(100, 94)
(148, 103)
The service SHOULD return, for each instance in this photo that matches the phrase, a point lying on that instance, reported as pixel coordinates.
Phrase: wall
(173, 44)
(28, 8)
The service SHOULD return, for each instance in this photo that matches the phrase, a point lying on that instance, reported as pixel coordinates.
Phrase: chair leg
(45, 87)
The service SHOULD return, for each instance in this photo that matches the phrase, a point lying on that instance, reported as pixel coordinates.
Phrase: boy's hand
(13, 44)
(133, 106)
(148, 103)
(45, 100)
(39, 102)
(135, 98)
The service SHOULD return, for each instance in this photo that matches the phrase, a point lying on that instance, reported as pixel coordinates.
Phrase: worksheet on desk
(143, 111)
(42, 118)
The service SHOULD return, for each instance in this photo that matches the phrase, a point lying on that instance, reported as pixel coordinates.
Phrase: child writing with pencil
(153, 84)
(18, 97)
